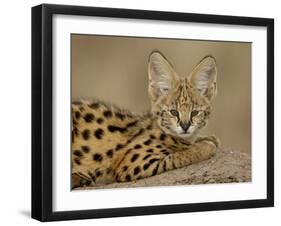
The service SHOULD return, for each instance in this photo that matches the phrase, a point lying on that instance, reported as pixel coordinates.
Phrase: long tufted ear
(204, 77)
(162, 77)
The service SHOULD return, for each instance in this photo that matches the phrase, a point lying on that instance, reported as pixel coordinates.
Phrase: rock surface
(226, 166)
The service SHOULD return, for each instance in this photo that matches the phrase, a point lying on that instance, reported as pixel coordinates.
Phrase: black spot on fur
(108, 170)
(128, 177)
(130, 124)
(147, 142)
(120, 115)
(135, 136)
(125, 168)
(164, 151)
(146, 157)
(154, 172)
(109, 153)
(164, 166)
(137, 146)
(74, 122)
(119, 146)
(149, 150)
(128, 151)
(85, 148)
(149, 127)
(94, 105)
(113, 129)
(107, 114)
(159, 146)
(93, 178)
(135, 157)
(99, 133)
(162, 136)
(89, 117)
(175, 141)
(145, 166)
(98, 173)
(100, 120)
(77, 114)
(86, 134)
(136, 170)
(77, 161)
(77, 153)
(153, 160)
(76, 132)
(152, 137)
(97, 157)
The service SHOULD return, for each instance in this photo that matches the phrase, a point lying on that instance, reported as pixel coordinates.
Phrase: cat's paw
(213, 139)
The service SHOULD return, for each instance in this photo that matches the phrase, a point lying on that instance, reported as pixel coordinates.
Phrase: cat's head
(182, 105)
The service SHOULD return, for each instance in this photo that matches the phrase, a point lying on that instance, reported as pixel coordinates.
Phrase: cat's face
(181, 105)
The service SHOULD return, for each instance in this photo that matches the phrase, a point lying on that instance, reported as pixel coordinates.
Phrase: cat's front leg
(211, 138)
(204, 148)
(157, 163)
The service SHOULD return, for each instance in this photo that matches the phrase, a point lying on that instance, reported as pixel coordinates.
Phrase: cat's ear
(162, 76)
(204, 77)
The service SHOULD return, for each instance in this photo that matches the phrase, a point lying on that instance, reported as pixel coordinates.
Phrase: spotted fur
(113, 145)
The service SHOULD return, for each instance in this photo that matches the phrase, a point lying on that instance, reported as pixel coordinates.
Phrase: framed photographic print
(146, 112)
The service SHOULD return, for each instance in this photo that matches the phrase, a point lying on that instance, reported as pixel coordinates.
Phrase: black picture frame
(42, 106)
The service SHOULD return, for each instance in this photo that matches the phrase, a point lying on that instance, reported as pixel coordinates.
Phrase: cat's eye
(174, 113)
(194, 113)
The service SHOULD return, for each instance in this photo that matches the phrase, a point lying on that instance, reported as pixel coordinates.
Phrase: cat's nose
(185, 125)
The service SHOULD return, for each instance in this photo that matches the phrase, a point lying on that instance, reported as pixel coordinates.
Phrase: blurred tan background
(114, 69)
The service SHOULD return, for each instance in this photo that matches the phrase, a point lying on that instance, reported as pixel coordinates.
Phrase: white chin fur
(185, 135)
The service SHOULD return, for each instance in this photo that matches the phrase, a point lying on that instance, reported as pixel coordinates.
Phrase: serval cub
(113, 145)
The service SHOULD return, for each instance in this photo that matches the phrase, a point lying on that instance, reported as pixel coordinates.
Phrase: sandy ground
(226, 166)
